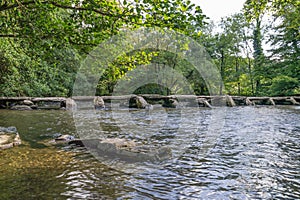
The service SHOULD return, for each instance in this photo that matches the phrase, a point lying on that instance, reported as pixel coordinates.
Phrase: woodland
(43, 43)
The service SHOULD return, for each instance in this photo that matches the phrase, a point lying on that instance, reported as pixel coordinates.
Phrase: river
(254, 154)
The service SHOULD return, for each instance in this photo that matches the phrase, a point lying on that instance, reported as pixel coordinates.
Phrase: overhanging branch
(20, 4)
(8, 35)
(80, 8)
(8, 7)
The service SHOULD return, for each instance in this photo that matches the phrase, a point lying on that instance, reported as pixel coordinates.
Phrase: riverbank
(144, 101)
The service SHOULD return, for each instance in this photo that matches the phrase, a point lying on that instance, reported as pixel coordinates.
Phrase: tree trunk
(222, 70)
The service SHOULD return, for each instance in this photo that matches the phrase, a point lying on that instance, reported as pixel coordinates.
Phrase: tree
(255, 11)
(180, 16)
(284, 59)
(284, 85)
(42, 41)
(229, 47)
(46, 31)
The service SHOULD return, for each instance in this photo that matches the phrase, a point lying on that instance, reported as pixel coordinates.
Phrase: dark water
(256, 155)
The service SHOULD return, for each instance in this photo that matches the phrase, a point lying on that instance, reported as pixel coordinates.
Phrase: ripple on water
(257, 156)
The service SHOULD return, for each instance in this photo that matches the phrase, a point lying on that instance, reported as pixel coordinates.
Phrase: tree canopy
(43, 42)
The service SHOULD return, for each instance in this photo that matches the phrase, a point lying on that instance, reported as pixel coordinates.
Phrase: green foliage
(284, 86)
(153, 88)
(283, 63)
(174, 63)
(47, 37)
(287, 34)
(43, 42)
(49, 74)
(228, 49)
(178, 15)
(118, 69)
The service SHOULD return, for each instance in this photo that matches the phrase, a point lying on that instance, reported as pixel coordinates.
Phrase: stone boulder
(28, 103)
(99, 103)
(171, 103)
(10, 129)
(141, 102)
(70, 104)
(9, 137)
(63, 138)
(174, 103)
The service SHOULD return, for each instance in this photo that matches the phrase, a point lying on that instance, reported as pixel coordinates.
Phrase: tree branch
(8, 7)
(81, 8)
(8, 35)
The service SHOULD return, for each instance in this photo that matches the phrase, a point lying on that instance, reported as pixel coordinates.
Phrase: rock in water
(99, 103)
(10, 129)
(70, 104)
(174, 103)
(117, 148)
(119, 143)
(141, 102)
(28, 103)
(64, 138)
(149, 107)
(125, 150)
(9, 137)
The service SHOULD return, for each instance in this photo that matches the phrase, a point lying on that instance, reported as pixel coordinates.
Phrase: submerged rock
(119, 143)
(9, 137)
(10, 129)
(117, 148)
(64, 138)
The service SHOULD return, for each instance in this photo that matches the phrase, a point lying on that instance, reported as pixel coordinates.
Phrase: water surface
(255, 156)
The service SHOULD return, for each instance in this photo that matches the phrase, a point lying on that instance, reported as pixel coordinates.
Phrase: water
(256, 155)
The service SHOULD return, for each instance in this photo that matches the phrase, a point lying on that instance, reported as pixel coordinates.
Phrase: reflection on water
(257, 156)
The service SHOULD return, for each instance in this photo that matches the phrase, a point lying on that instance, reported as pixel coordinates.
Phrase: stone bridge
(144, 101)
